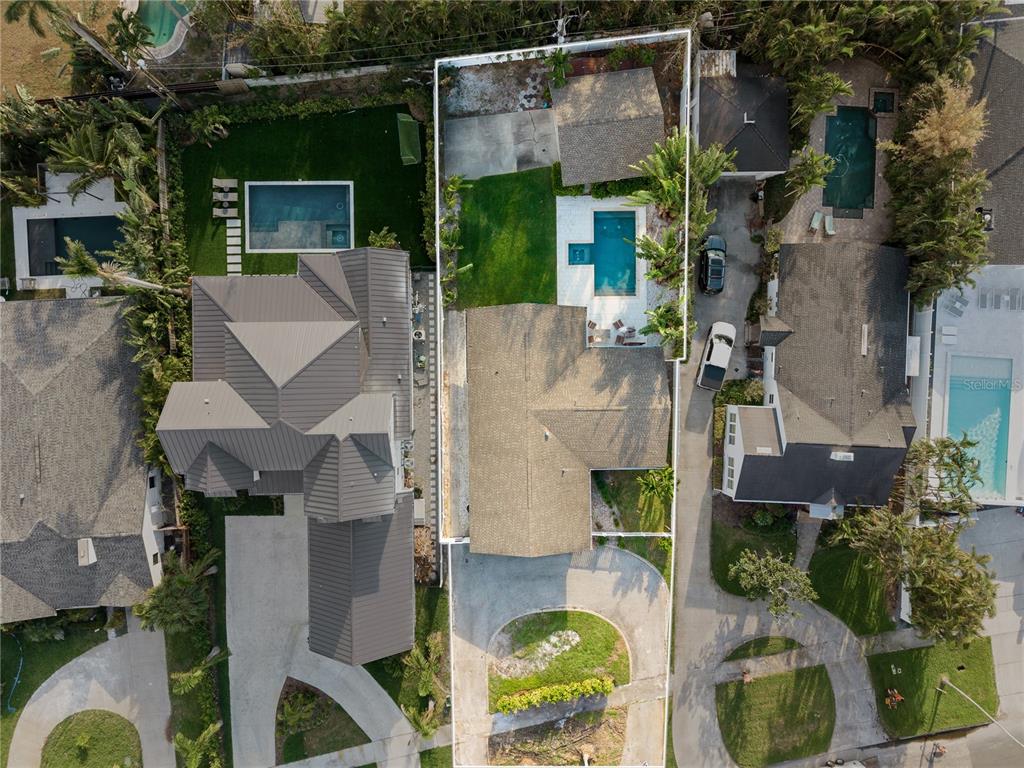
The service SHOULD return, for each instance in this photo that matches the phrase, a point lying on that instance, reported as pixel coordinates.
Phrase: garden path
(126, 675)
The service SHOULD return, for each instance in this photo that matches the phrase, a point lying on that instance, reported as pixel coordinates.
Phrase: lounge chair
(955, 310)
(225, 197)
(950, 340)
(830, 225)
(1015, 298)
(225, 183)
(618, 325)
(949, 330)
(620, 339)
(225, 213)
(960, 301)
(591, 325)
(815, 222)
(592, 339)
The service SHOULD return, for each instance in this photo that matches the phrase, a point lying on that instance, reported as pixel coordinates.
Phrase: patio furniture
(949, 330)
(954, 310)
(830, 225)
(620, 339)
(592, 340)
(983, 299)
(950, 340)
(225, 184)
(960, 301)
(618, 324)
(225, 197)
(591, 325)
(235, 224)
(225, 213)
(815, 222)
(1015, 298)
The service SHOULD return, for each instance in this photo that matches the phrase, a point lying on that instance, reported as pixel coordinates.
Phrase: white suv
(715, 362)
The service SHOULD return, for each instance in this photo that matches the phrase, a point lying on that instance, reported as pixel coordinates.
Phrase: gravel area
(509, 665)
(494, 89)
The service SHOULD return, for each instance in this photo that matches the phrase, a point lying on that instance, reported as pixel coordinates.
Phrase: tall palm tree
(86, 151)
(180, 601)
(128, 35)
(200, 752)
(185, 682)
(14, 10)
(80, 263)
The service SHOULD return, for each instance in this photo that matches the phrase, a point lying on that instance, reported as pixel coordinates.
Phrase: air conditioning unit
(419, 334)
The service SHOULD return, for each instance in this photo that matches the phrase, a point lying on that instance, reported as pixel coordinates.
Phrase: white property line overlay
(684, 107)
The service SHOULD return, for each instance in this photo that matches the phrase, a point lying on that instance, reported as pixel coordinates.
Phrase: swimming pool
(160, 16)
(978, 404)
(850, 139)
(612, 253)
(293, 216)
(46, 241)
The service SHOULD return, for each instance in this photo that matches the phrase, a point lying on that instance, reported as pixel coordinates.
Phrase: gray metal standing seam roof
(303, 385)
(70, 467)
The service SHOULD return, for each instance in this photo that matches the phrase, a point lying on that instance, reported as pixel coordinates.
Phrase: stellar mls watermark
(989, 385)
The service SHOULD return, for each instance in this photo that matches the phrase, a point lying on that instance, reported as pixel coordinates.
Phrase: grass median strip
(769, 645)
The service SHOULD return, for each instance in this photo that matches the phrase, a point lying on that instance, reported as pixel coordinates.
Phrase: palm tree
(185, 682)
(180, 601)
(665, 320)
(86, 151)
(664, 259)
(558, 67)
(207, 125)
(200, 752)
(128, 35)
(80, 263)
(809, 170)
(14, 10)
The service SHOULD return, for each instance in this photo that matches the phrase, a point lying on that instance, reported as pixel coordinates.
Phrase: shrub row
(599, 190)
(548, 694)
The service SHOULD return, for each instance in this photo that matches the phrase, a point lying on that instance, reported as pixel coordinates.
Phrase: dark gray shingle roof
(999, 78)
(544, 410)
(69, 420)
(607, 123)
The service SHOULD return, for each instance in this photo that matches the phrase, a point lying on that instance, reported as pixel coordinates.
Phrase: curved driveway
(126, 675)
(489, 591)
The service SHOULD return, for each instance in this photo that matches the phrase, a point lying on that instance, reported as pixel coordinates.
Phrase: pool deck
(985, 332)
(575, 224)
(863, 75)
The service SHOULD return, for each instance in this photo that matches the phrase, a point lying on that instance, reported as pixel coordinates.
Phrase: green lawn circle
(107, 740)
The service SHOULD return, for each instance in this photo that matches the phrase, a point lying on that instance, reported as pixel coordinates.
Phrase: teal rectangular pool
(978, 405)
(850, 140)
(161, 16)
(612, 253)
(288, 217)
(46, 239)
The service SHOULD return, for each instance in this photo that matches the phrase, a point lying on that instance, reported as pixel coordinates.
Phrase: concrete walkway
(490, 145)
(807, 530)
(617, 585)
(126, 675)
(267, 620)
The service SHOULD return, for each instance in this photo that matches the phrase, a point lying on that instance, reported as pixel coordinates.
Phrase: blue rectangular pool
(612, 253)
(46, 239)
(978, 405)
(283, 217)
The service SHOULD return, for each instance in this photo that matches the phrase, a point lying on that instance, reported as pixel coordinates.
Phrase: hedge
(553, 693)
(560, 189)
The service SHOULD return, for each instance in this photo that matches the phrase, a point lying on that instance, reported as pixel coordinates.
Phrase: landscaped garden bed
(310, 723)
(733, 392)
(599, 735)
(41, 659)
(733, 529)
(777, 718)
(508, 235)
(93, 738)
(555, 648)
(769, 645)
(916, 675)
(620, 504)
(847, 588)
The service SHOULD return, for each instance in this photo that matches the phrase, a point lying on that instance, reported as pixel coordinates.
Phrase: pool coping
(313, 182)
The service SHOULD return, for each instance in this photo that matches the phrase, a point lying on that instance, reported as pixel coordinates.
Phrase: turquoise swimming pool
(612, 253)
(287, 217)
(46, 241)
(850, 139)
(161, 16)
(978, 405)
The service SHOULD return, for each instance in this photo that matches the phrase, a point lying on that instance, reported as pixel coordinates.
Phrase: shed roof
(607, 123)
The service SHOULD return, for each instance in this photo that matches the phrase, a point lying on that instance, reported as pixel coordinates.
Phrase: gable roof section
(283, 349)
(747, 112)
(830, 392)
(999, 78)
(606, 123)
(543, 412)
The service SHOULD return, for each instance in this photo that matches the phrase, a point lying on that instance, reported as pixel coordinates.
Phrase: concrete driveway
(489, 591)
(268, 627)
(126, 675)
(731, 198)
(494, 144)
(1000, 533)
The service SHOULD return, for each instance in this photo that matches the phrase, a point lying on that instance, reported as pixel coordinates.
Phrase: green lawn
(918, 675)
(621, 491)
(41, 661)
(93, 738)
(654, 549)
(399, 681)
(776, 718)
(438, 757)
(768, 645)
(508, 235)
(600, 652)
(336, 732)
(359, 146)
(848, 589)
(727, 542)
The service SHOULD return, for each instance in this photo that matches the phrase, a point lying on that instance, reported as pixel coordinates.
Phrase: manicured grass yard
(777, 718)
(847, 588)
(108, 739)
(654, 549)
(41, 661)
(919, 675)
(621, 491)
(768, 645)
(727, 542)
(600, 652)
(438, 757)
(359, 146)
(399, 681)
(508, 235)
